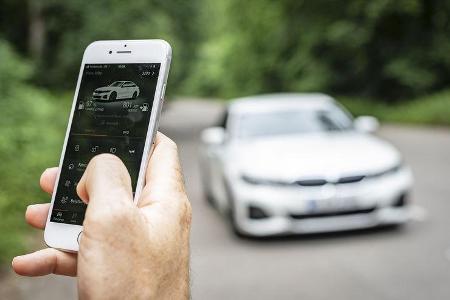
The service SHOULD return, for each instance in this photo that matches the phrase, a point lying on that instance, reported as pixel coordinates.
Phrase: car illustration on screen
(116, 90)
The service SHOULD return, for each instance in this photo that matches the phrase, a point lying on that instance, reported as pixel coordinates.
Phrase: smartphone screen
(112, 114)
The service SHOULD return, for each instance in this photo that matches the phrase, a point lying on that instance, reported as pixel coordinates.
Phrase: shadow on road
(385, 231)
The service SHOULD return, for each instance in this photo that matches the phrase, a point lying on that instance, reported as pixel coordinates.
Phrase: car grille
(333, 214)
(320, 182)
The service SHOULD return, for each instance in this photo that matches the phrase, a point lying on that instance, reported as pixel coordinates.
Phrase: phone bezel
(64, 236)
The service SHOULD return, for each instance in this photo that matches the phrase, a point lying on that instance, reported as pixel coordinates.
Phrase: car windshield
(292, 122)
(116, 83)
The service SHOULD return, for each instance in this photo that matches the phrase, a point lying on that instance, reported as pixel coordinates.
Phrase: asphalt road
(412, 262)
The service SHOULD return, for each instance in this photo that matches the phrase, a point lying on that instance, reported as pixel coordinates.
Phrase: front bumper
(329, 208)
(101, 96)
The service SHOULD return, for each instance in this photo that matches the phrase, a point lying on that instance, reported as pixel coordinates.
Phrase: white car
(298, 163)
(117, 90)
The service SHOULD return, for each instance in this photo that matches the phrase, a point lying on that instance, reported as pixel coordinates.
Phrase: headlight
(389, 171)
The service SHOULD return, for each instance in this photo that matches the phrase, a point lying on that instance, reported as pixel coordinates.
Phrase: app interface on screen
(112, 115)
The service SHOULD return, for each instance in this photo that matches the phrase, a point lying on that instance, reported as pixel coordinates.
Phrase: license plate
(334, 204)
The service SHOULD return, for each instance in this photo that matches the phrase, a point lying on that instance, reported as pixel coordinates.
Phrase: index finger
(48, 179)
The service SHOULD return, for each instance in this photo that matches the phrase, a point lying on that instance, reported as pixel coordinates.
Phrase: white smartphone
(116, 108)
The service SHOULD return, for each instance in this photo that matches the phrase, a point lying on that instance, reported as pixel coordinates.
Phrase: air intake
(350, 179)
(311, 182)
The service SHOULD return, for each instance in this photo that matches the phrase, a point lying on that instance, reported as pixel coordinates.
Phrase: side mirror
(367, 124)
(213, 136)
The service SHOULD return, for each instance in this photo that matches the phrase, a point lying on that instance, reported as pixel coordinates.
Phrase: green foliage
(432, 109)
(30, 137)
(380, 48)
(64, 28)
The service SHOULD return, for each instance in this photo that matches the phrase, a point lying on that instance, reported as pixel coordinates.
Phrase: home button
(79, 237)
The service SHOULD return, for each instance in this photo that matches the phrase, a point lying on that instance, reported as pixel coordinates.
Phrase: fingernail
(14, 259)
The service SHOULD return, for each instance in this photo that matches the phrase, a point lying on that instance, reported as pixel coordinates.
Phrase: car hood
(104, 89)
(310, 156)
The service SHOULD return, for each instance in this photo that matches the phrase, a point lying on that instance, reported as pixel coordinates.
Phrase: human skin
(126, 251)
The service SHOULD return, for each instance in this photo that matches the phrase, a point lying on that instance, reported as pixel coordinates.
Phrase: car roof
(280, 101)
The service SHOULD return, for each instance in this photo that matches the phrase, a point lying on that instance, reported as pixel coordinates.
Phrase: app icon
(144, 107)
(94, 149)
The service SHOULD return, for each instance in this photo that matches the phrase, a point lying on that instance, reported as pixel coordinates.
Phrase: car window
(116, 83)
(292, 122)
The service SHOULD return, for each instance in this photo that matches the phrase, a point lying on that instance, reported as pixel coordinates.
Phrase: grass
(428, 110)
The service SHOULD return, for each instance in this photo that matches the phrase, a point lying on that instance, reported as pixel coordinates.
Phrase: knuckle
(108, 217)
(119, 215)
(172, 145)
(186, 213)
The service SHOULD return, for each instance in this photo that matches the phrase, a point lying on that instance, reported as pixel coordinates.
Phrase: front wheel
(134, 95)
(113, 96)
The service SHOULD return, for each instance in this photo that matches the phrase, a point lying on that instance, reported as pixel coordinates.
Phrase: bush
(433, 109)
(392, 50)
(30, 137)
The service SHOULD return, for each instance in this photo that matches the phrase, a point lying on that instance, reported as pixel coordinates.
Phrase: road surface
(408, 263)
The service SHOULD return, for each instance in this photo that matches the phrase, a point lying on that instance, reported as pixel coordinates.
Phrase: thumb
(164, 176)
(105, 183)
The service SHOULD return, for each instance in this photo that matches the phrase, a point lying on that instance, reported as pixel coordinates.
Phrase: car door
(122, 91)
(133, 89)
(129, 89)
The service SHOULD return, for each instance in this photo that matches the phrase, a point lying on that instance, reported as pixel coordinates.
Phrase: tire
(209, 198)
(207, 194)
(134, 95)
(113, 96)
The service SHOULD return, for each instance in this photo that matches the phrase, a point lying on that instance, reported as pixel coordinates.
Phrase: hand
(126, 251)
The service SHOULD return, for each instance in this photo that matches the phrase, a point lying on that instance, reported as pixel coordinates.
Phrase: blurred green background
(386, 58)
